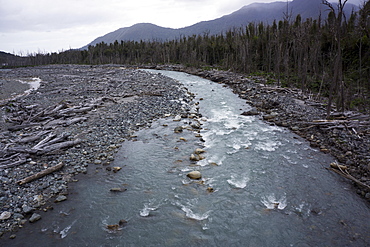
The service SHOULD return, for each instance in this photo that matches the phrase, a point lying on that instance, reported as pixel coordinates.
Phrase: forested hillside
(329, 57)
(255, 12)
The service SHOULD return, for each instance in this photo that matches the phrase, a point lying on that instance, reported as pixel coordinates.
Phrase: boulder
(35, 217)
(114, 227)
(97, 162)
(60, 198)
(122, 222)
(194, 175)
(210, 189)
(196, 157)
(252, 112)
(116, 169)
(178, 129)
(199, 151)
(5, 215)
(177, 118)
(27, 209)
(118, 190)
(195, 125)
(270, 116)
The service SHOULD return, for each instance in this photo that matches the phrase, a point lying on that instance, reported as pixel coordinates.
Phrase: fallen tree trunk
(40, 174)
(58, 146)
(55, 110)
(74, 120)
(22, 126)
(50, 141)
(16, 163)
(33, 138)
(44, 141)
(9, 158)
(21, 150)
(65, 122)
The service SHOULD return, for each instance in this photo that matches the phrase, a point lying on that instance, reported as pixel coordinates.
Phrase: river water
(261, 186)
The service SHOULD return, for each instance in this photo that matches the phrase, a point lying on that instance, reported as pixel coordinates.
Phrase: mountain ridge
(255, 12)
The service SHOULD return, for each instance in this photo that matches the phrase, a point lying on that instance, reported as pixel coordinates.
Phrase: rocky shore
(346, 135)
(78, 117)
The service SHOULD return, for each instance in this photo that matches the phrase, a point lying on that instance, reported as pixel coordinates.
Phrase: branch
(348, 176)
(40, 174)
(325, 2)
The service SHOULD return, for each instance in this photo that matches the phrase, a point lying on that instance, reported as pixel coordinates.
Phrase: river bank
(78, 117)
(346, 136)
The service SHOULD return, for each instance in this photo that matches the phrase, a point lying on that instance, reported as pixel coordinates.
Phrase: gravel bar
(120, 101)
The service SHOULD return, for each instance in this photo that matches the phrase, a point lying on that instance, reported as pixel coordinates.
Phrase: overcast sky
(28, 26)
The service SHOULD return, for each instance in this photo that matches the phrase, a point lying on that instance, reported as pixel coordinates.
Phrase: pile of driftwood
(347, 120)
(38, 126)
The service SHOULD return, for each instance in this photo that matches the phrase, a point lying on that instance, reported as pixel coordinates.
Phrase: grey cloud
(35, 18)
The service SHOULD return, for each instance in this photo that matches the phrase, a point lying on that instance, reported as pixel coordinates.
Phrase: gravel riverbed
(122, 99)
(119, 101)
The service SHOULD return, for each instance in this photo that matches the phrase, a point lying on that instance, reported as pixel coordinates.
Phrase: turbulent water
(261, 186)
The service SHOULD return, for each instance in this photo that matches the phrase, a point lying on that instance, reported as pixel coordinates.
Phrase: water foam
(191, 215)
(269, 146)
(64, 232)
(148, 207)
(271, 202)
(238, 182)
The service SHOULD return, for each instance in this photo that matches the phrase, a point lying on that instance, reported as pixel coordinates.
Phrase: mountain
(255, 12)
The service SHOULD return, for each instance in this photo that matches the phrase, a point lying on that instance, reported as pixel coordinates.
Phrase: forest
(328, 57)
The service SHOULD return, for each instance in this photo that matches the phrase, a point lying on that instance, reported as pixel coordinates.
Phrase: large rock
(177, 118)
(27, 209)
(252, 112)
(116, 169)
(199, 151)
(60, 198)
(195, 125)
(196, 157)
(5, 215)
(35, 217)
(194, 175)
(118, 189)
(178, 129)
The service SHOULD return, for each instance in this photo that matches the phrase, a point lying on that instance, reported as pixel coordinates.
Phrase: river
(261, 186)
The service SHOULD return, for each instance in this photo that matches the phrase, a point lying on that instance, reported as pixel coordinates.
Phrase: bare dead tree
(338, 60)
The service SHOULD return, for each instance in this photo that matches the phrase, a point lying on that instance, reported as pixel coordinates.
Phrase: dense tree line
(327, 56)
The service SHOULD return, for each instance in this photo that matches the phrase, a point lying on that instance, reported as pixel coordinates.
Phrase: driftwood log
(15, 163)
(342, 170)
(41, 174)
(57, 146)
(339, 124)
(33, 137)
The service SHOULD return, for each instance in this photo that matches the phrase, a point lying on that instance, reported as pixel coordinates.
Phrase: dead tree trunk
(337, 65)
